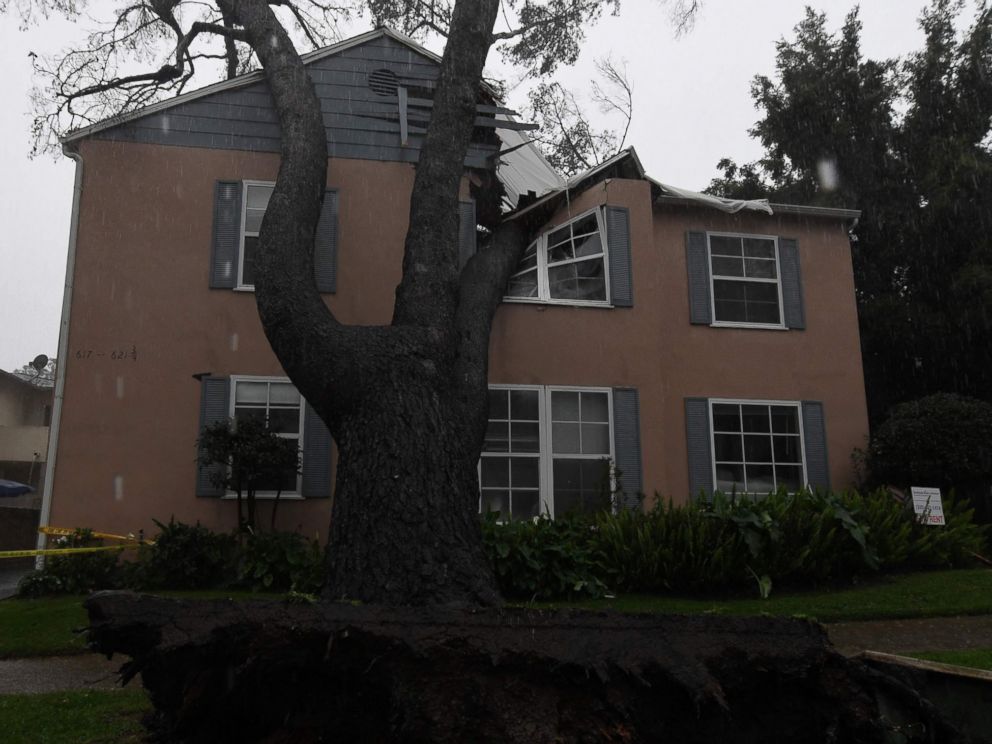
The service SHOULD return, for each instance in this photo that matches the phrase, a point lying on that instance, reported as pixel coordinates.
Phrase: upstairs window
(567, 265)
(255, 200)
(746, 280)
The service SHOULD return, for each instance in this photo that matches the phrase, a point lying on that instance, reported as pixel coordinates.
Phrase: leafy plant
(74, 574)
(184, 556)
(282, 561)
(544, 558)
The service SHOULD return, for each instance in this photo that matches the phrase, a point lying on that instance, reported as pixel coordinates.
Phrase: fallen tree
(275, 672)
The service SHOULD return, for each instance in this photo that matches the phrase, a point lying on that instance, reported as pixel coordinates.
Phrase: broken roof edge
(672, 195)
(255, 76)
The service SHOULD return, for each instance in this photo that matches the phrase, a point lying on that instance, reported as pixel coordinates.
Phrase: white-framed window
(275, 402)
(746, 280)
(567, 265)
(548, 450)
(757, 446)
(254, 201)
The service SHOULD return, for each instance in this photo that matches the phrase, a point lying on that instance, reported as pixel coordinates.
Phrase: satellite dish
(39, 362)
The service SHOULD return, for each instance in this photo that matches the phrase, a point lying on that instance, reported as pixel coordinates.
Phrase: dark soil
(221, 671)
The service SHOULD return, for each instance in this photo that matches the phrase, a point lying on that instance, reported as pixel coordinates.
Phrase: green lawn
(928, 594)
(980, 658)
(76, 717)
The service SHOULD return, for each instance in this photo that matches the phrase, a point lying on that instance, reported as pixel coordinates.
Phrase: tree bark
(405, 403)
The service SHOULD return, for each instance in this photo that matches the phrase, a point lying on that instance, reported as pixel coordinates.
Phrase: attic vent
(383, 82)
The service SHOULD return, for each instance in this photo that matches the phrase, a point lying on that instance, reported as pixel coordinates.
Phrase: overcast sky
(692, 106)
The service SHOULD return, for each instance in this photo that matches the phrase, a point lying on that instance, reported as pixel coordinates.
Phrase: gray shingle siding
(360, 124)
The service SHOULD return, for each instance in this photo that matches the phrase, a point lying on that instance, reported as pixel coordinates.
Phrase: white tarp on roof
(522, 167)
(724, 205)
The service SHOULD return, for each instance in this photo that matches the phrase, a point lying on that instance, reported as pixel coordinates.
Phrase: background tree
(908, 143)
(406, 402)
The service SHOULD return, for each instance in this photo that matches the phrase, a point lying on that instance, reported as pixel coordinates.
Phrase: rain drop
(826, 171)
(120, 387)
(118, 488)
(234, 342)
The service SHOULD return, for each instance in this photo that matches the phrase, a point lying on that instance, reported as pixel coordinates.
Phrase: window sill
(558, 303)
(250, 289)
(266, 496)
(752, 326)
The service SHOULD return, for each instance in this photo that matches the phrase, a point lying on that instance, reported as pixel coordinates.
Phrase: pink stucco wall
(126, 449)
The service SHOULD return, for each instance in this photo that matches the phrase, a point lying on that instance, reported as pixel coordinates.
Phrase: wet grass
(74, 717)
(925, 594)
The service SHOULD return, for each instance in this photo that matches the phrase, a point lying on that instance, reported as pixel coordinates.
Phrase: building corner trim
(63, 348)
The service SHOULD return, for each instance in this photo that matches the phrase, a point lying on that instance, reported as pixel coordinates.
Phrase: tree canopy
(907, 142)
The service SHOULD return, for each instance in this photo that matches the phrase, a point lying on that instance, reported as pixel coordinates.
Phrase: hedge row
(728, 544)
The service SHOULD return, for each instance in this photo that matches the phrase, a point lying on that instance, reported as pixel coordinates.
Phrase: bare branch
(615, 94)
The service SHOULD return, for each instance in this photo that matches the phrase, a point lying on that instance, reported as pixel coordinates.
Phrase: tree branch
(427, 296)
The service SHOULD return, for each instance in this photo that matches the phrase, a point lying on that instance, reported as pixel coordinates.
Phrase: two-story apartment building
(695, 343)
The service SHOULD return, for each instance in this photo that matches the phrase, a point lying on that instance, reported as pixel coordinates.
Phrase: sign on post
(927, 505)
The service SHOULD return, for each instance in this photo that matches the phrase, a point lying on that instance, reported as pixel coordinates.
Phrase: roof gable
(358, 82)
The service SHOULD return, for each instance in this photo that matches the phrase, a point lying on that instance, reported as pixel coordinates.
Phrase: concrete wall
(129, 425)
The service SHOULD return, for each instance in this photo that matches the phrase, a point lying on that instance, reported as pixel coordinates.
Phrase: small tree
(254, 458)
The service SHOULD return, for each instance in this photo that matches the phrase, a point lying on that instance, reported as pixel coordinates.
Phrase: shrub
(670, 548)
(74, 574)
(184, 557)
(282, 561)
(941, 440)
(544, 558)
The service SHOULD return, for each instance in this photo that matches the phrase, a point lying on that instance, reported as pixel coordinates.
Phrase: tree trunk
(405, 403)
(405, 523)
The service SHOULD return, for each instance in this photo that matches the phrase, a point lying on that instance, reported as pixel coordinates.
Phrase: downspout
(63, 351)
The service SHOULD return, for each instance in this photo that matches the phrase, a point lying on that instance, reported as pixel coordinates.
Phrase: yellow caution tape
(70, 532)
(60, 551)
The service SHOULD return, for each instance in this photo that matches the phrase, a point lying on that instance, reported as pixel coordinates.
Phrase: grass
(49, 626)
(74, 717)
(926, 594)
(976, 658)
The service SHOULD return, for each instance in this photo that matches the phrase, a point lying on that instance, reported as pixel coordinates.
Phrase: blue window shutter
(226, 242)
(697, 262)
(618, 247)
(697, 434)
(815, 443)
(792, 285)
(316, 456)
(325, 248)
(214, 408)
(627, 445)
(466, 232)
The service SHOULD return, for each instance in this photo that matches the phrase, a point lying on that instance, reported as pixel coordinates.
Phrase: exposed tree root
(222, 671)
